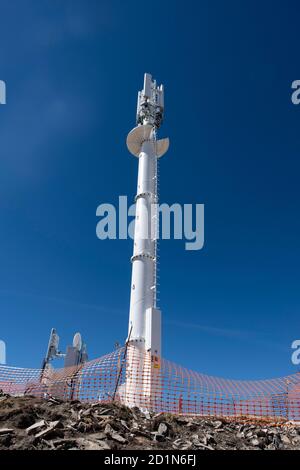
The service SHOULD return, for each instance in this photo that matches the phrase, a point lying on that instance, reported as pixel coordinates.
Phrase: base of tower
(142, 385)
(153, 331)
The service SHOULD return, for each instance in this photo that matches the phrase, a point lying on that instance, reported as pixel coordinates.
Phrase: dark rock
(64, 444)
(158, 437)
(5, 440)
(276, 441)
(24, 420)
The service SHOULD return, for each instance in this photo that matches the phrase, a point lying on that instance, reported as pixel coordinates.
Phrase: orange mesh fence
(158, 385)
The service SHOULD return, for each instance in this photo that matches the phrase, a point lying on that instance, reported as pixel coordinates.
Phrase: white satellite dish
(77, 342)
(139, 135)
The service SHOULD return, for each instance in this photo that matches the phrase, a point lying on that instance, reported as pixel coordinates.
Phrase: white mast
(144, 317)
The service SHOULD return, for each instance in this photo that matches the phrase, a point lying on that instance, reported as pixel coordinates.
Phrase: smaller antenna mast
(52, 351)
(75, 354)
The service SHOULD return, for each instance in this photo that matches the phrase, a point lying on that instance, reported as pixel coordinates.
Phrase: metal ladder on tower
(155, 233)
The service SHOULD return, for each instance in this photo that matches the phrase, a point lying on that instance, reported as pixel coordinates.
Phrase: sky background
(73, 69)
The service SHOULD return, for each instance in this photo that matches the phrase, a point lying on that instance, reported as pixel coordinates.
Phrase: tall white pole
(142, 142)
(143, 283)
(144, 317)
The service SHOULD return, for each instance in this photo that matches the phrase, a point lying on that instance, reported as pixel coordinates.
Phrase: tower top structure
(150, 104)
(149, 117)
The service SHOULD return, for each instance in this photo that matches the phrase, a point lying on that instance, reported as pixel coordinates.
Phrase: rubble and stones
(33, 423)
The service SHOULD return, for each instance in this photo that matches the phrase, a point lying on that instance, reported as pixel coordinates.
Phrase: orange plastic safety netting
(138, 379)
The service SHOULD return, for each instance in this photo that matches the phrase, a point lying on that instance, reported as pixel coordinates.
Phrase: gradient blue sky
(73, 69)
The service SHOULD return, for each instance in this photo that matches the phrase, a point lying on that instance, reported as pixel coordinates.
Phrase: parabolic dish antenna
(77, 341)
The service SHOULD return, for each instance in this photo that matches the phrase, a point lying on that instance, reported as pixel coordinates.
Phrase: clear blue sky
(73, 69)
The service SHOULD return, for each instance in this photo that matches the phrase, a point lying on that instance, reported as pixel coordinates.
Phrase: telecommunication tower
(144, 330)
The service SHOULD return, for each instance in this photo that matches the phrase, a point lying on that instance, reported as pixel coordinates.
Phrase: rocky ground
(32, 423)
